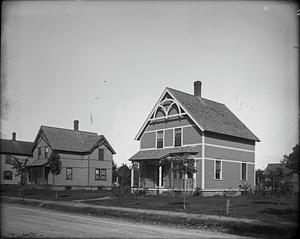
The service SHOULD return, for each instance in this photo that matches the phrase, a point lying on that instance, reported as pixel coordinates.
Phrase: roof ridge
(21, 141)
(68, 129)
(194, 96)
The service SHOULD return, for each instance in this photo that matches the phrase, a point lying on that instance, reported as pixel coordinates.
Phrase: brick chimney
(197, 88)
(76, 125)
(14, 135)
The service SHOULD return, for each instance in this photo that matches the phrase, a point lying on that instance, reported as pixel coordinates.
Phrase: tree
(183, 164)
(20, 167)
(291, 161)
(124, 175)
(55, 166)
(114, 172)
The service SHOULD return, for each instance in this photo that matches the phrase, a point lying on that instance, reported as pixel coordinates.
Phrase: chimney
(76, 125)
(197, 88)
(14, 135)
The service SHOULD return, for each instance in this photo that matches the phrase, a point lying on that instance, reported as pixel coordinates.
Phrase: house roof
(72, 140)
(212, 116)
(16, 147)
(164, 152)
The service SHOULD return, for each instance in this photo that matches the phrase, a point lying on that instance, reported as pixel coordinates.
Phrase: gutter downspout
(203, 163)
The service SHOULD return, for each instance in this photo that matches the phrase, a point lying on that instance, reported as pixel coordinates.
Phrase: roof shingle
(16, 147)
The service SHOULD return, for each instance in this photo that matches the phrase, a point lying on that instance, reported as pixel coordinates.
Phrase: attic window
(101, 154)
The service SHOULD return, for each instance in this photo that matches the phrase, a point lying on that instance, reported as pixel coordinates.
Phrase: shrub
(246, 189)
(138, 192)
(198, 191)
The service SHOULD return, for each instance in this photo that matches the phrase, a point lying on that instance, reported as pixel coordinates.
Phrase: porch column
(132, 176)
(160, 176)
(139, 175)
(195, 176)
(43, 176)
(172, 176)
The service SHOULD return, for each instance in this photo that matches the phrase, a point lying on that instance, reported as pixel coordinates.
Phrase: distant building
(86, 159)
(13, 148)
(181, 123)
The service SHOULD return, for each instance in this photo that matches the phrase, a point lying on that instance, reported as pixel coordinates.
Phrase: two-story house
(184, 124)
(13, 148)
(86, 159)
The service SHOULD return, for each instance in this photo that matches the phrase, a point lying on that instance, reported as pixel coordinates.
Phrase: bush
(198, 191)
(246, 189)
(121, 190)
(138, 192)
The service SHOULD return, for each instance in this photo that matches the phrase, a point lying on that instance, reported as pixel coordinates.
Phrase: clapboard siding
(191, 135)
(168, 140)
(148, 140)
(214, 152)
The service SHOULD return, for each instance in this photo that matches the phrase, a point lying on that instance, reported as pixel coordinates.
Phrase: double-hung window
(244, 171)
(46, 152)
(160, 139)
(69, 173)
(218, 169)
(177, 139)
(103, 174)
(97, 174)
(39, 152)
(101, 154)
(7, 175)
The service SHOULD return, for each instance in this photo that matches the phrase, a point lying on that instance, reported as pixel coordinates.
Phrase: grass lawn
(62, 195)
(240, 207)
(265, 209)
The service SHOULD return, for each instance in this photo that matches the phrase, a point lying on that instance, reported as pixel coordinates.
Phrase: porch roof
(39, 162)
(162, 153)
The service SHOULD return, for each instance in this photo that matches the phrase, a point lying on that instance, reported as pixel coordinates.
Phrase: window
(244, 171)
(7, 175)
(97, 174)
(101, 154)
(46, 151)
(177, 140)
(39, 152)
(8, 159)
(218, 169)
(68, 173)
(160, 139)
(103, 175)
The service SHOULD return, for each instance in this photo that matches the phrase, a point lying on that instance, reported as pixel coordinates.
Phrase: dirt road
(28, 221)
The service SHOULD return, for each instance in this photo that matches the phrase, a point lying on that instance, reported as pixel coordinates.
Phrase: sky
(106, 64)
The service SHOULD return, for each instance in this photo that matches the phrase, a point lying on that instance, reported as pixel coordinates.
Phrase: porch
(173, 172)
(38, 173)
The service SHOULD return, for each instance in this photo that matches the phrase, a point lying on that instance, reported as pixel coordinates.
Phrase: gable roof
(16, 147)
(208, 115)
(71, 140)
(212, 116)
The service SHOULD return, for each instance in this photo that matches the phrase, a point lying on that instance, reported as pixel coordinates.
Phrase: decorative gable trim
(159, 105)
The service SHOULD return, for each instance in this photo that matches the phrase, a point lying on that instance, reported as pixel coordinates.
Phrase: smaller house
(13, 148)
(289, 176)
(86, 159)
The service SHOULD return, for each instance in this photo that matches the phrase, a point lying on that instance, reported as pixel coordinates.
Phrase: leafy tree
(124, 175)
(20, 167)
(291, 161)
(55, 165)
(114, 173)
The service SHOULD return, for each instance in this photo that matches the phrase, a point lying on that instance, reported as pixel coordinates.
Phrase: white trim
(221, 171)
(231, 161)
(183, 126)
(241, 174)
(167, 116)
(226, 147)
(185, 111)
(171, 147)
(156, 105)
(203, 162)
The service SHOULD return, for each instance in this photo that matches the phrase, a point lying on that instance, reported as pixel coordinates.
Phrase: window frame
(177, 137)
(97, 178)
(10, 174)
(160, 140)
(46, 152)
(215, 169)
(105, 175)
(246, 171)
(102, 154)
(69, 176)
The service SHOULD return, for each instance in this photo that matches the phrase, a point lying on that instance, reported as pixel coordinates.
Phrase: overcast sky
(106, 64)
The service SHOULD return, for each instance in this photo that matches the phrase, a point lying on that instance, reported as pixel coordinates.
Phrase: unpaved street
(28, 221)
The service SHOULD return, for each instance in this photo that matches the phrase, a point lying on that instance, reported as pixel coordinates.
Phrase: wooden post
(227, 207)
(139, 175)
(160, 176)
(132, 177)
(172, 176)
